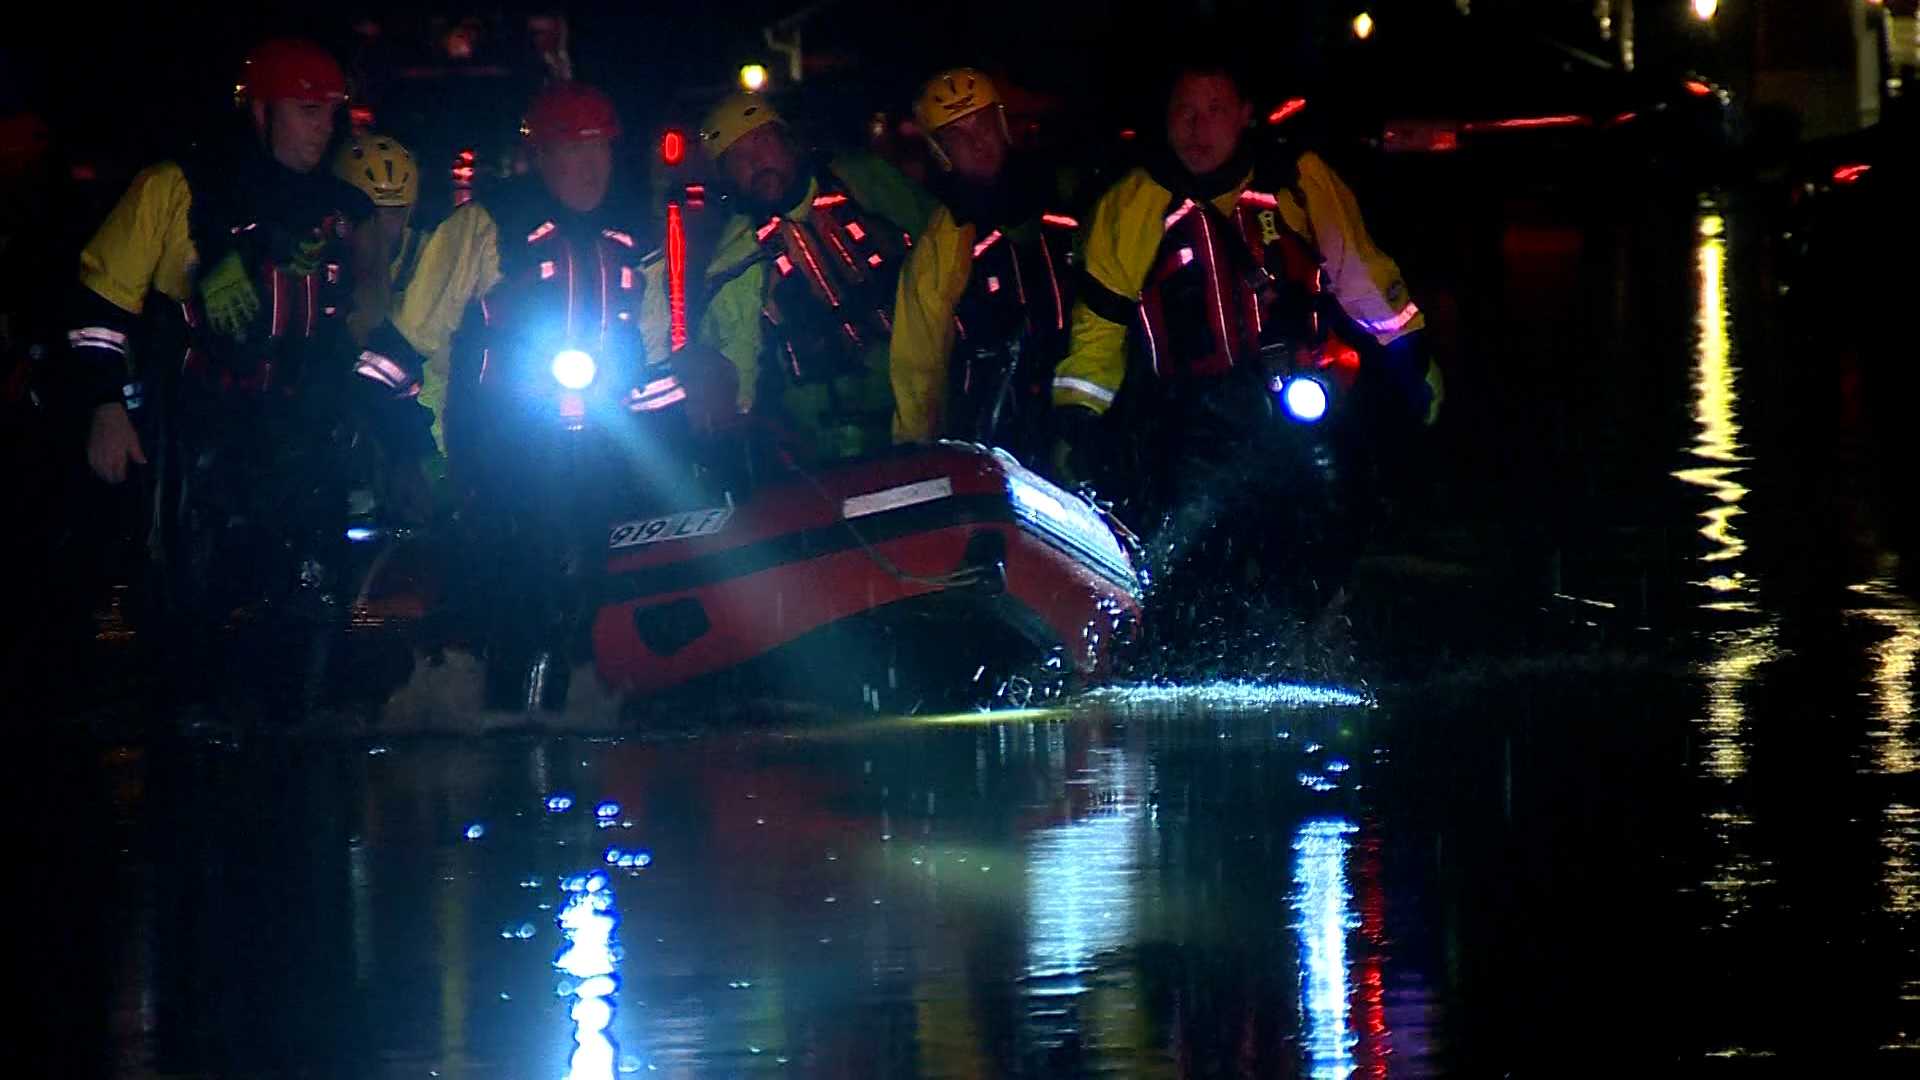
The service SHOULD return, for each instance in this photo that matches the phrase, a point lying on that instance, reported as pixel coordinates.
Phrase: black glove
(401, 425)
(1076, 432)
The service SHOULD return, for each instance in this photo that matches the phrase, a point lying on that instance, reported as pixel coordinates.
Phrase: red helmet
(570, 112)
(292, 69)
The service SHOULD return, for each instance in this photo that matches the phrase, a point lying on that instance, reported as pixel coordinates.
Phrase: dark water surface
(1639, 796)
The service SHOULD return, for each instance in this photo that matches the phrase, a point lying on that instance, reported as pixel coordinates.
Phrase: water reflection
(587, 921)
(1715, 411)
(1079, 894)
(1890, 742)
(1737, 654)
(1323, 915)
(1894, 660)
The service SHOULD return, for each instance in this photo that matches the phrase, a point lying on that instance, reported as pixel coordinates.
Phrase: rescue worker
(981, 315)
(384, 169)
(1276, 216)
(511, 264)
(270, 277)
(537, 292)
(801, 286)
(248, 241)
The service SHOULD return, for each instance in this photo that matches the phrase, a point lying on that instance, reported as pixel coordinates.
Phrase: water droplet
(559, 804)
(613, 856)
(504, 996)
(629, 1064)
(753, 1050)
(608, 809)
(833, 899)
(759, 821)
(885, 836)
(525, 931)
(476, 830)
(376, 751)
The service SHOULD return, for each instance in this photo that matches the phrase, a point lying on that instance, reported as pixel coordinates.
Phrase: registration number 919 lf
(681, 526)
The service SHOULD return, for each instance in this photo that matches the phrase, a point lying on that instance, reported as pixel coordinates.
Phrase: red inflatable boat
(953, 554)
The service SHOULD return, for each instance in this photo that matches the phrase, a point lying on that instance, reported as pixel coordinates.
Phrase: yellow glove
(306, 256)
(227, 294)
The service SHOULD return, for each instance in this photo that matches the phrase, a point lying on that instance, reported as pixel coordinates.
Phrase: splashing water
(445, 695)
(1230, 694)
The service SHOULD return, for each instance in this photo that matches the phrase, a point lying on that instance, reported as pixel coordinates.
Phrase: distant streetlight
(1705, 10)
(1363, 25)
(753, 78)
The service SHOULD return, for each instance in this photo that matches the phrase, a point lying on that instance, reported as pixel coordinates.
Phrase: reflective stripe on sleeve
(1083, 386)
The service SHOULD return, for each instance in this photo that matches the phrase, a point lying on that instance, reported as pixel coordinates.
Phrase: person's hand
(712, 385)
(1415, 378)
(1437, 392)
(307, 255)
(409, 495)
(229, 297)
(1073, 428)
(112, 443)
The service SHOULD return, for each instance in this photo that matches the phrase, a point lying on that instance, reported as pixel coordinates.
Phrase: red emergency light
(361, 117)
(1697, 88)
(673, 147)
(676, 279)
(1849, 174)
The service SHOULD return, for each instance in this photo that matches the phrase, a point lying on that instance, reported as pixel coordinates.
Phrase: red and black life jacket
(830, 289)
(1011, 327)
(292, 235)
(1021, 289)
(1226, 287)
(568, 282)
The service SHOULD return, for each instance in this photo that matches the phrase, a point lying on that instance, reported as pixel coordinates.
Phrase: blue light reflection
(1323, 915)
(587, 921)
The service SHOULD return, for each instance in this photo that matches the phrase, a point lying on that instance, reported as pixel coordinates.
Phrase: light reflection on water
(1738, 654)
(1715, 411)
(590, 959)
(1323, 916)
(1080, 888)
(1894, 659)
(1891, 747)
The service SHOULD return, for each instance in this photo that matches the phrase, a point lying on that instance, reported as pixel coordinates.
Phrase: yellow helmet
(381, 167)
(736, 115)
(951, 95)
